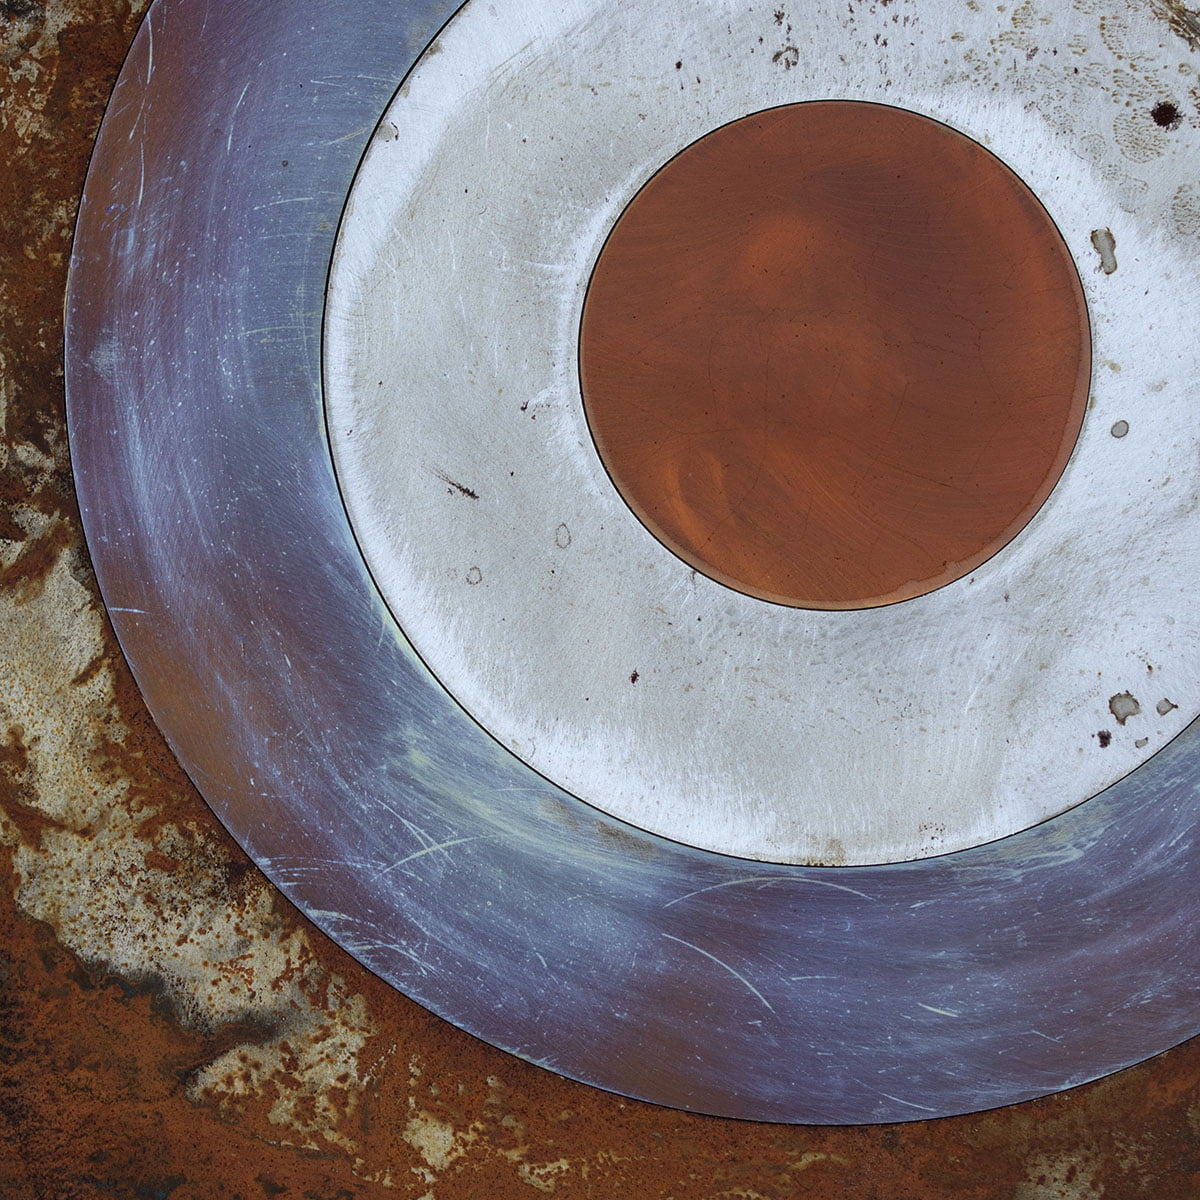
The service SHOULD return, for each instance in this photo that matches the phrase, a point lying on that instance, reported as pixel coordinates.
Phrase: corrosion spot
(634, 677)
(27, 574)
(14, 751)
(626, 841)
(1105, 739)
(92, 669)
(157, 861)
(1123, 706)
(474, 576)
(452, 486)
(1166, 115)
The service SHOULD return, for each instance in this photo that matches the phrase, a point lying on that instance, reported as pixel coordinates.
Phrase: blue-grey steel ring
(481, 890)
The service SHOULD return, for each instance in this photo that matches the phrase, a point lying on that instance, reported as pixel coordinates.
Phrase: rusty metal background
(441, 862)
(170, 1027)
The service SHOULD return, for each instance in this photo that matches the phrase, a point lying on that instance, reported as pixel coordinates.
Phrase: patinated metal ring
(438, 858)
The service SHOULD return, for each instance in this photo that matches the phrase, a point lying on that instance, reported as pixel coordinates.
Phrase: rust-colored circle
(835, 355)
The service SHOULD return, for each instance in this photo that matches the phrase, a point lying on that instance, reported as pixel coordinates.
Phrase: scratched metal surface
(451, 353)
(520, 914)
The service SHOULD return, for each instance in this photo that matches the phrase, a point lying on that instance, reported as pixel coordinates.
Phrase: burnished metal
(523, 915)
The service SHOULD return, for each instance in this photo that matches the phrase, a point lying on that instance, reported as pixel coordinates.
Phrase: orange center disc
(835, 355)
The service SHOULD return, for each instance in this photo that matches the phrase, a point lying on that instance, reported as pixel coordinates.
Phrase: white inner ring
(566, 630)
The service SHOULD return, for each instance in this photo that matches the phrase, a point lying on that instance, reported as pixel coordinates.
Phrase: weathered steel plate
(774, 992)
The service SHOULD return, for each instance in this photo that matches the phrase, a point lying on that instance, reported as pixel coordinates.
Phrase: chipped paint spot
(546, 1176)
(1106, 247)
(1124, 706)
(436, 1140)
(1060, 1178)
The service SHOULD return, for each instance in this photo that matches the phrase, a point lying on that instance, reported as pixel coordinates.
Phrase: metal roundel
(513, 752)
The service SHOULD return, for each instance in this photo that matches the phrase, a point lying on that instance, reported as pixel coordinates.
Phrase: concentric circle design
(576, 638)
(564, 935)
(835, 355)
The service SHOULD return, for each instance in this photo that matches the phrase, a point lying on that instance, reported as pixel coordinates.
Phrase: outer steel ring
(770, 992)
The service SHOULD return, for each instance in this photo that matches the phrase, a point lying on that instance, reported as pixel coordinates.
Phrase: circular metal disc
(436, 856)
(487, 517)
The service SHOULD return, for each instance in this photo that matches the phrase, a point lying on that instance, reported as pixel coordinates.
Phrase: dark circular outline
(818, 995)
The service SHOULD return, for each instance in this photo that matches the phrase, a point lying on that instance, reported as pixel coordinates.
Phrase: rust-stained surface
(169, 1027)
(811, 370)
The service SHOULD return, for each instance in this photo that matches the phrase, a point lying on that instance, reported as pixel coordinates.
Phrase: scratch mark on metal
(428, 850)
(462, 489)
(941, 1012)
(291, 327)
(141, 117)
(285, 200)
(767, 879)
(233, 118)
(907, 1103)
(736, 974)
(420, 834)
(349, 136)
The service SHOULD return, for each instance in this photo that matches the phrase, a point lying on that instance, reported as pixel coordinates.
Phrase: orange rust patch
(26, 576)
(92, 669)
(29, 822)
(813, 370)
(161, 862)
(14, 768)
(92, 1076)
